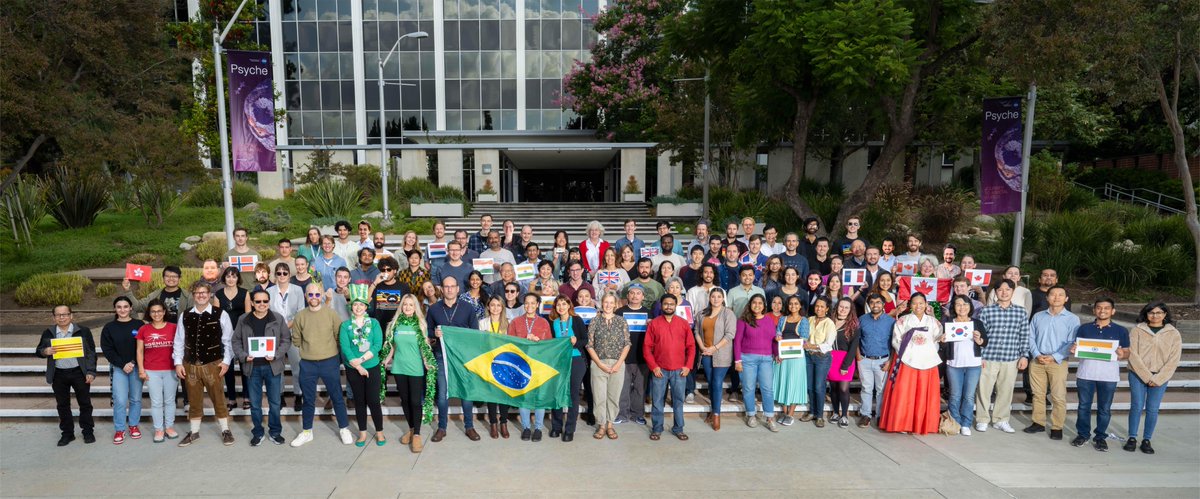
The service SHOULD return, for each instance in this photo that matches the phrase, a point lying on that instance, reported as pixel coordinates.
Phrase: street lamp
(222, 127)
(384, 164)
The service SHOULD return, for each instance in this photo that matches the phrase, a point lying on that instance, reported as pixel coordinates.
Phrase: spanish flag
(507, 370)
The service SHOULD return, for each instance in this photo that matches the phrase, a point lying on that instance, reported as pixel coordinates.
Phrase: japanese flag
(979, 277)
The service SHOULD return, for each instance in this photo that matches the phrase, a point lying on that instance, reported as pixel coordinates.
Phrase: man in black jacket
(66, 374)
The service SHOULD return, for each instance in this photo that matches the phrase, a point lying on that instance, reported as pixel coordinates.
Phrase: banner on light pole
(1001, 156)
(251, 111)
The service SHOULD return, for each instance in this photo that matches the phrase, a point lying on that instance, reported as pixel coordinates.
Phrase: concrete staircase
(546, 218)
(25, 394)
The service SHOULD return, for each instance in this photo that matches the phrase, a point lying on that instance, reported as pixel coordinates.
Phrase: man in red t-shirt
(669, 349)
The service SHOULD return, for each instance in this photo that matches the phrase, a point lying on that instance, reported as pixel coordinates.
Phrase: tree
(76, 74)
(159, 161)
(1146, 60)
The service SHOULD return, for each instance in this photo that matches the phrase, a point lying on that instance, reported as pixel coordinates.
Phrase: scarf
(426, 357)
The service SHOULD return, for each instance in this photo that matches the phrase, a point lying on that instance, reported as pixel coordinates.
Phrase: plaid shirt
(477, 242)
(1008, 332)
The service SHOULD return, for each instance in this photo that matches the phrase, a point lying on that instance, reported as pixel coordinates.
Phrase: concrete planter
(634, 197)
(436, 210)
(678, 209)
(487, 198)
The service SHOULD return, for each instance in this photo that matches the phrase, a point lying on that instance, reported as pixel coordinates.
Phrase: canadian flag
(934, 289)
(980, 277)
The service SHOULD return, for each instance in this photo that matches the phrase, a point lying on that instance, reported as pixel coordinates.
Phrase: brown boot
(504, 430)
(708, 419)
(716, 422)
(417, 446)
(493, 431)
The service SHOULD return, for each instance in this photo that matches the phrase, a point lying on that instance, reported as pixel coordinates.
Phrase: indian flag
(791, 349)
(1095, 349)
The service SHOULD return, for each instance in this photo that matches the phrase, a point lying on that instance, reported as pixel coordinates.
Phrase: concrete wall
(450, 168)
(484, 157)
(670, 175)
(633, 163)
(414, 163)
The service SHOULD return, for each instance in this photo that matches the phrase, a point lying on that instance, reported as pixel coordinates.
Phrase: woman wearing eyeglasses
(287, 300)
(1155, 347)
(155, 344)
(533, 327)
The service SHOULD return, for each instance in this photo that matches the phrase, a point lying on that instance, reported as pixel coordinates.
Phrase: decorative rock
(985, 219)
(373, 214)
(972, 230)
(185, 246)
(192, 239)
(251, 206)
(1128, 243)
(212, 235)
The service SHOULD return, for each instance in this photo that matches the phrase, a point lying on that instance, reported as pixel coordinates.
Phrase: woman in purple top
(755, 350)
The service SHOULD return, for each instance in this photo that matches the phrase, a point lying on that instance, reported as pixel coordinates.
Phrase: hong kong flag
(934, 289)
(135, 272)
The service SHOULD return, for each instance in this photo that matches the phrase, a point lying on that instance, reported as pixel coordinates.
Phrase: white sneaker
(981, 427)
(1004, 427)
(347, 438)
(303, 438)
(691, 399)
(966, 431)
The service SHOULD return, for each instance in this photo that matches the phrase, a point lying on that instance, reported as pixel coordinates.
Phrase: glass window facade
(481, 64)
(557, 33)
(412, 105)
(319, 71)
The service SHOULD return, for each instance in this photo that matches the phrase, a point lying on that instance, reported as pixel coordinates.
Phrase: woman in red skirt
(912, 398)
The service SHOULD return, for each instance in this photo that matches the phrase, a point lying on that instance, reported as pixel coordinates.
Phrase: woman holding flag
(912, 398)
(964, 363)
(566, 324)
(532, 327)
(495, 321)
(790, 382)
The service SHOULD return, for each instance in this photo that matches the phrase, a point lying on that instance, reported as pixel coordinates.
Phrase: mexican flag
(507, 370)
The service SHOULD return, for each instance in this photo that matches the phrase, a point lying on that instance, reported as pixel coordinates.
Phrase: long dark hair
(125, 299)
(1142, 316)
(851, 324)
(748, 312)
(709, 308)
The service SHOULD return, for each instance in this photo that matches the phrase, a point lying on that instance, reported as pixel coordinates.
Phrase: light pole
(384, 164)
(704, 163)
(1026, 149)
(222, 128)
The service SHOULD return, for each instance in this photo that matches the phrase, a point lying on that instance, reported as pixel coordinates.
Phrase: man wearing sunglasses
(266, 366)
(287, 300)
(845, 245)
(315, 334)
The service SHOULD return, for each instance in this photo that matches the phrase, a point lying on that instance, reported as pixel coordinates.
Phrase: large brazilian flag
(485, 367)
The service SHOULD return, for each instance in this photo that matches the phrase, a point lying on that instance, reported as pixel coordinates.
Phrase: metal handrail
(1134, 195)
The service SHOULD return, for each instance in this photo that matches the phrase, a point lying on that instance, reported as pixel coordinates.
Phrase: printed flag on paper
(586, 313)
(980, 277)
(139, 273)
(959, 331)
(262, 346)
(244, 263)
(854, 277)
(67, 348)
(636, 321)
(1105, 350)
(933, 289)
(684, 312)
(791, 349)
(607, 277)
(905, 265)
(547, 305)
(507, 370)
(436, 250)
(649, 251)
(251, 111)
(483, 265)
(525, 272)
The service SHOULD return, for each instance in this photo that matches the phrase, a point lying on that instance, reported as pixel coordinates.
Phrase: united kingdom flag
(243, 263)
(606, 277)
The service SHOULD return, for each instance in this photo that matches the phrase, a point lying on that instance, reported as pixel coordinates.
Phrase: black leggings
(578, 367)
(367, 389)
(497, 413)
(840, 396)
(412, 399)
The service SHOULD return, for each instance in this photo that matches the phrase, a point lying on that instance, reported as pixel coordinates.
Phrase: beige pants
(202, 377)
(999, 377)
(1053, 375)
(606, 392)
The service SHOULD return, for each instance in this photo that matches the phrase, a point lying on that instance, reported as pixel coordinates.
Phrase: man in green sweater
(315, 331)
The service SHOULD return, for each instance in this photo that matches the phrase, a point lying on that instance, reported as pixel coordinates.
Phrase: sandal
(599, 434)
(654, 436)
(612, 433)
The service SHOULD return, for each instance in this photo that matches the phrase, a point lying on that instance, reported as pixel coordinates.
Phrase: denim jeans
(871, 375)
(658, 394)
(716, 380)
(538, 416)
(1103, 392)
(260, 375)
(1143, 397)
(817, 369)
(163, 386)
(329, 372)
(756, 370)
(963, 382)
(443, 399)
(126, 398)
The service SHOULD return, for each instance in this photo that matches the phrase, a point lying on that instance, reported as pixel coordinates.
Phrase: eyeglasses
(386, 269)
(855, 224)
(314, 295)
(262, 301)
(281, 273)
(510, 291)
(1156, 312)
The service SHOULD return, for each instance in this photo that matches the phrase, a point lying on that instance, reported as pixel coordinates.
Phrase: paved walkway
(799, 461)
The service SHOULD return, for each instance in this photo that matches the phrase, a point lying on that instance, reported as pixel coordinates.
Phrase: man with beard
(651, 289)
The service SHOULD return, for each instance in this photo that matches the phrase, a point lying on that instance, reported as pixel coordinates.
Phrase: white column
(633, 164)
(450, 168)
(488, 158)
(413, 164)
(271, 184)
(439, 64)
(520, 35)
(670, 175)
(360, 82)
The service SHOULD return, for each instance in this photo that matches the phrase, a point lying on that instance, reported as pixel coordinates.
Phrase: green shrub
(1172, 267)
(940, 214)
(891, 206)
(1079, 199)
(1119, 270)
(47, 290)
(412, 188)
(210, 194)
(156, 201)
(1048, 187)
(25, 196)
(331, 198)
(186, 279)
(277, 220)
(266, 254)
(418, 225)
(142, 258)
(105, 289)
(1066, 240)
(212, 248)
(690, 192)
(365, 177)
(76, 198)
(1162, 232)
(1123, 213)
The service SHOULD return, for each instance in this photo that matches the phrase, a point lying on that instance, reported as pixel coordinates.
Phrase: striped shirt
(1008, 332)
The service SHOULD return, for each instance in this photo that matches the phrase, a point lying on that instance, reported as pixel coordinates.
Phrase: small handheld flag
(139, 273)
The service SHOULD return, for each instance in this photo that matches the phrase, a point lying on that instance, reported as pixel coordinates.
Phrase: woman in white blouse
(912, 399)
(821, 334)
